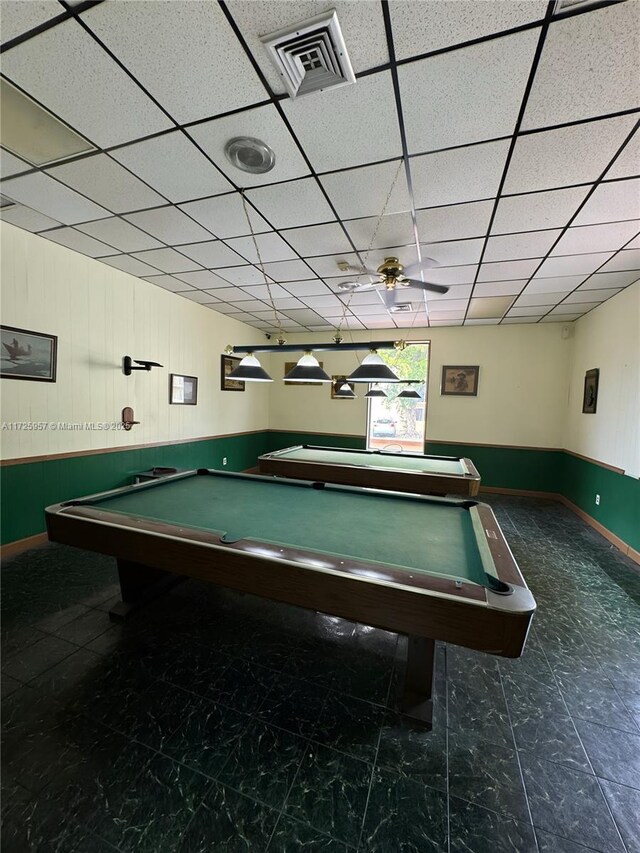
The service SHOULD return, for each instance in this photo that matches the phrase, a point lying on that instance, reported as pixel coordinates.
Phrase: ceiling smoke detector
(250, 155)
(311, 56)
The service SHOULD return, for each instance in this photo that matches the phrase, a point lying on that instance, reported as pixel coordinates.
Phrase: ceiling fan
(390, 275)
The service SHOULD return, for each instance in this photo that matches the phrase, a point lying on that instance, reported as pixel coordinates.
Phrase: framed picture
(337, 383)
(289, 365)
(227, 364)
(27, 355)
(183, 390)
(590, 397)
(460, 381)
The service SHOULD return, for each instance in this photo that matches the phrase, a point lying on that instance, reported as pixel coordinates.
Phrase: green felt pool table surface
(430, 535)
(405, 462)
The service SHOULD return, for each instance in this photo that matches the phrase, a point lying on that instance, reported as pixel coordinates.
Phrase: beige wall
(609, 339)
(522, 386)
(100, 314)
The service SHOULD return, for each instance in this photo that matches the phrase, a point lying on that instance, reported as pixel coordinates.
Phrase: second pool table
(430, 568)
(375, 469)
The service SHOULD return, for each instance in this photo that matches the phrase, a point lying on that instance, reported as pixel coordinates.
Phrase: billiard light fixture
(344, 391)
(409, 394)
(250, 370)
(373, 369)
(307, 370)
(375, 392)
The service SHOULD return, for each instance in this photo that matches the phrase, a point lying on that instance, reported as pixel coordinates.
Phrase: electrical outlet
(597, 500)
(224, 462)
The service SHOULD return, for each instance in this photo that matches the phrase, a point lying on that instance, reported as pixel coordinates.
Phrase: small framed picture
(27, 355)
(590, 397)
(337, 383)
(459, 381)
(227, 364)
(183, 390)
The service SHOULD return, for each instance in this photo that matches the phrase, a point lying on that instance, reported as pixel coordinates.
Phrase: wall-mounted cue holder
(128, 362)
(127, 418)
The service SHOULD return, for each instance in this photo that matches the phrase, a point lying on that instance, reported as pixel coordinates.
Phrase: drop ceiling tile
(454, 222)
(9, 163)
(116, 232)
(169, 225)
(634, 244)
(25, 217)
(197, 296)
(261, 291)
(288, 270)
(101, 179)
(611, 279)
(456, 305)
(287, 303)
(327, 265)
(531, 244)
(130, 265)
(342, 143)
(222, 308)
(462, 174)
(444, 322)
(499, 288)
(453, 275)
(573, 307)
(380, 233)
(318, 239)
(363, 191)
(596, 238)
(241, 276)
(172, 164)
(47, 196)
(323, 302)
(489, 307)
(213, 253)
(168, 282)
(536, 211)
(588, 67)
(457, 291)
(19, 17)
(560, 284)
(366, 297)
(203, 279)
(187, 57)
(626, 163)
(249, 304)
(454, 253)
(520, 319)
(362, 27)
(528, 299)
(560, 318)
(79, 242)
(531, 311)
(167, 260)
(423, 27)
(594, 295)
(569, 155)
(228, 294)
(263, 122)
(225, 217)
(270, 245)
(627, 259)
(509, 270)
(292, 203)
(611, 202)
(466, 95)
(304, 315)
(84, 86)
(313, 287)
(573, 264)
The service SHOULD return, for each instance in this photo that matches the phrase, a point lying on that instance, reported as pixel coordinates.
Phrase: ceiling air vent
(311, 56)
(401, 308)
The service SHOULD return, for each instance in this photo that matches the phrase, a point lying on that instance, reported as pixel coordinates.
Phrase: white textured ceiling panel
(318, 239)
(172, 164)
(454, 222)
(380, 232)
(531, 244)
(18, 17)
(569, 155)
(47, 196)
(589, 67)
(627, 259)
(463, 174)
(167, 260)
(130, 265)
(506, 270)
(116, 232)
(627, 163)
(466, 95)
(83, 85)
(225, 216)
(169, 225)
(213, 253)
(285, 205)
(271, 247)
(25, 217)
(536, 211)
(363, 192)
(611, 202)
(184, 54)
(338, 144)
(454, 253)
(573, 264)
(104, 181)
(264, 123)
(11, 165)
(596, 238)
(79, 242)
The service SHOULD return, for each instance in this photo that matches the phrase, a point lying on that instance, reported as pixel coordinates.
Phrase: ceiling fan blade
(425, 264)
(349, 286)
(389, 296)
(426, 285)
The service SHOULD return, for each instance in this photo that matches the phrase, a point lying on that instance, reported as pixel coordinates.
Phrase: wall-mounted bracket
(127, 418)
(127, 365)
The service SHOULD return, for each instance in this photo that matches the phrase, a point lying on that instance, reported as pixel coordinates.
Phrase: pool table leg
(417, 698)
(138, 585)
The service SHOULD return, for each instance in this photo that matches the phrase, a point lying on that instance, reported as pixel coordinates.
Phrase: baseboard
(602, 530)
(11, 549)
(524, 493)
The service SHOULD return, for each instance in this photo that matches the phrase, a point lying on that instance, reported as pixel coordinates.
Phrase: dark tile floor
(220, 722)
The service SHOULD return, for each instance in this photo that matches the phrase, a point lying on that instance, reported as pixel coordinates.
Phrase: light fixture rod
(352, 347)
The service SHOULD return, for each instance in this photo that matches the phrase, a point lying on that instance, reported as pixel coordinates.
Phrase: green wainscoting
(29, 487)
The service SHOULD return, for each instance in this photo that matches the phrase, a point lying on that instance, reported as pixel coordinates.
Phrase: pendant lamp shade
(344, 391)
(373, 369)
(307, 370)
(409, 394)
(250, 370)
(375, 392)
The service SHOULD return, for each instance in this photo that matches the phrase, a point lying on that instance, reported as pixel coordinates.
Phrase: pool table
(430, 568)
(376, 469)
